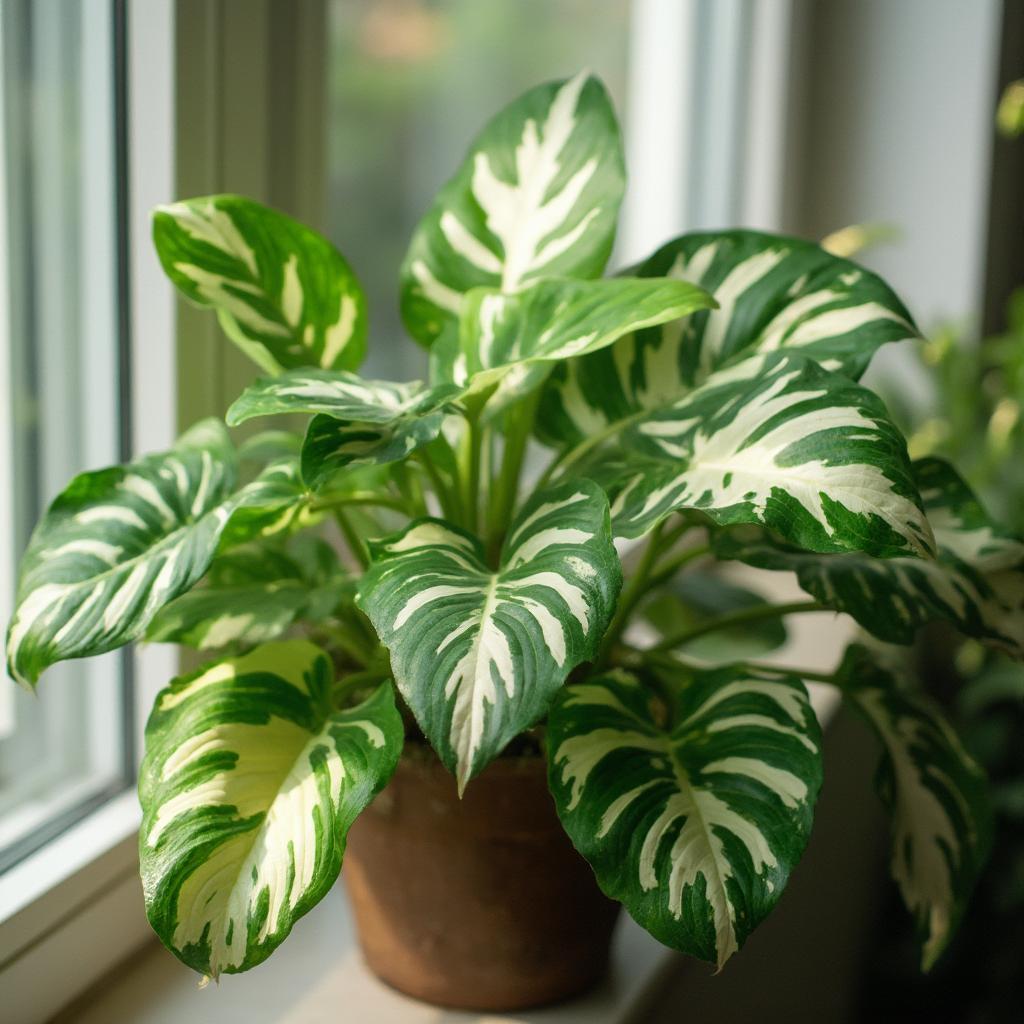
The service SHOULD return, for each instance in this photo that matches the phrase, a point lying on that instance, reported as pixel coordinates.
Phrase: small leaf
(478, 654)
(508, 338)
(937, 798)
(345, 396)
(694, 823)
(332, 444)
(537, 195)
(779, 441)
(282, 292)
(117, 545)
(250, 783)
(976, 582)
(772, 292)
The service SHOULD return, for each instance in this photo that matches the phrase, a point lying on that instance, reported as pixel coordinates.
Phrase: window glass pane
(410, 83)
(60, 410)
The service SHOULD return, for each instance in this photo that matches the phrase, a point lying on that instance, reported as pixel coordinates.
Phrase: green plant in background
(706, 400)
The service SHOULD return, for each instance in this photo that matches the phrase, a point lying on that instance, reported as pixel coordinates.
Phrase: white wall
(899, 100)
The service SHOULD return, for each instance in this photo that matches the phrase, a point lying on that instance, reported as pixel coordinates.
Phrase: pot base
(478, 904)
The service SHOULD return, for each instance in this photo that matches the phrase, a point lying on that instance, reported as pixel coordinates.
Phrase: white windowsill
(318, 976)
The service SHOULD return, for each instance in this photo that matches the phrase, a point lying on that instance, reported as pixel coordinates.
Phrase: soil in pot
(480, 903)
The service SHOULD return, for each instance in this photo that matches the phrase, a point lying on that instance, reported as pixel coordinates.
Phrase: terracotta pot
(478, 904)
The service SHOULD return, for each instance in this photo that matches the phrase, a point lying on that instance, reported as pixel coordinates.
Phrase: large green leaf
(282, 292)
(513, 338)
(118, 544)
(936, 795)
(537, 195)
(773, 293)
(250, 783)
(976, 581)
(779, 441)
(478, 653)
(694, 813)
(254, 593)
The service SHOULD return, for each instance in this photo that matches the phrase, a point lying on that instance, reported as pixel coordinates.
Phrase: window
(63, 383)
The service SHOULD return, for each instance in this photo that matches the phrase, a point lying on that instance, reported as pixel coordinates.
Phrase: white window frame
(77, 901)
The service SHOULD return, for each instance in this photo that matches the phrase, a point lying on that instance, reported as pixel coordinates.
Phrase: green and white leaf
(331, 444)
(345, 396)
(478, 653)
(253, 594)
(693, 814)
(777, 440)
(275, 503)
(282, 292)
(512, 338)
(250, 783)
(117, 545)
(537, 195)
(975, 582)
(937, 798)
(772, 292)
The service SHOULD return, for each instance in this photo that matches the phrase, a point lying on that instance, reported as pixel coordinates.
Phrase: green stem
(469, 466)
(667, 569)
(352, 538)
(503, 498)
(331, 502)
(738, 618)
(632, 593)
(447, 498)
(571, 456)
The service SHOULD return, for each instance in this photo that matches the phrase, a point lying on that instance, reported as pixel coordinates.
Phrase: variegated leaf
(937, 798)
(282, 292)
(692, 813)
(356, 422)
(332, 444)
(478, 653)
(511, 338)
(976, 581)
(773, 293)
(779, 441)
(253, 594)
(345, 396)
(275, 503)
(116, 546)
(251, 780)
(537, 195)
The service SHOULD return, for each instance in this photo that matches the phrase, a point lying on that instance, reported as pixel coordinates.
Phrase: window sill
(318, 975)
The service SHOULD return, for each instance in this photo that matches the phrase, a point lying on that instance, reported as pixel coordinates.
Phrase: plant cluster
(705, 400)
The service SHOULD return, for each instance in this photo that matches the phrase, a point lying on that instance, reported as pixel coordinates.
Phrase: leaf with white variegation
(976, 581)
(936, 795)
(356, 422)
(250, 783)
(694, 812)
(537, 195)
(282, 292)
(253, 594)
(776, 440)
(508, 339)
(773, 292)
(345, 396)
(478, 653)
(117, 545)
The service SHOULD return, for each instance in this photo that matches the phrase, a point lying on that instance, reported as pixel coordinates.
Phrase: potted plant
(706, 400)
